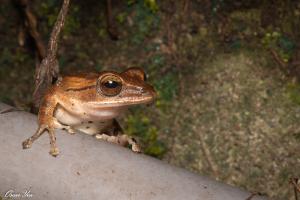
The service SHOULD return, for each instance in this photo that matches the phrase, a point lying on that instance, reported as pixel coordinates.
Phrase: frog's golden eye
(110, 85)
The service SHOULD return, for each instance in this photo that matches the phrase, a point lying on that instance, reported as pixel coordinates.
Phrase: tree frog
(90, 103)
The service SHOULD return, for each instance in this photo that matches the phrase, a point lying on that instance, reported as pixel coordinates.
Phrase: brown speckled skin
(77, 99)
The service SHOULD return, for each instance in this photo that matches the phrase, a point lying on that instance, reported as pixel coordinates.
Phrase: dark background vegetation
(226, 73)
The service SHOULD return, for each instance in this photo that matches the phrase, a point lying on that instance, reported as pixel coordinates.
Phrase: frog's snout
(149, 90)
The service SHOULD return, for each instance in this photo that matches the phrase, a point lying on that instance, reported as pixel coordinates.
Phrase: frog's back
(78, 81)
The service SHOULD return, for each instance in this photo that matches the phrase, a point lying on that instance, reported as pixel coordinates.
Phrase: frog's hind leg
(28, 142)
(131, 141)
(117, 136)
(124, 139)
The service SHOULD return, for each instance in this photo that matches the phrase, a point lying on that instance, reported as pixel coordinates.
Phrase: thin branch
(186, 5)
(295, 63)
(253, 194)
(294, 182)
(30, 24)
(111, 28)
(47, 72)
(7, 110)
(207, 155)
(53, 43)
(277, 58)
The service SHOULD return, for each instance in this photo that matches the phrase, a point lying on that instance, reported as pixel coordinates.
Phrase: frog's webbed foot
(135, 147)
(28, 142)
(121, 140)
(42, 128)
(108, 138)
(70, 130)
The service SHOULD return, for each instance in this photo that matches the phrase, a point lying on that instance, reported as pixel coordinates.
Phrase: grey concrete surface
(91, 169)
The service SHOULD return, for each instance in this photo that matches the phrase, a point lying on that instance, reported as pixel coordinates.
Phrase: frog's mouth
(125, 101)
(135, 101)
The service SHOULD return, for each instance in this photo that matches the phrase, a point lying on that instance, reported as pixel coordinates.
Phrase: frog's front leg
(53, 148)
(28, 142)
(46, 123)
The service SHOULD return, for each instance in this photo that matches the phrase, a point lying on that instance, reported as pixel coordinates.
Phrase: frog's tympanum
(90, 103)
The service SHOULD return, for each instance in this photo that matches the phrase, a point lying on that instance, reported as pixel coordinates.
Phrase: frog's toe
(136, 148)
(26, 144)
(54, 152)
(71, 130)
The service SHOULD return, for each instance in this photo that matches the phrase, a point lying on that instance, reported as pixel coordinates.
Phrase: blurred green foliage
(167, 88)
(49, 10)
(138, 124)
(279, 42)
(294, 92)
(10, 57)
(297, 136)
(150, 4)
(145, 20)
(216, 5)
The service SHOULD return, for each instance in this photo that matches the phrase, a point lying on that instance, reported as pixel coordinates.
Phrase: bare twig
(294, 182)
(295, 63)
(207, 155)
(291, 67)
(111, 28)
(47, 72)
(186, 4)
(30, 23)
(7, 110)
(276, 57)
(253, 194)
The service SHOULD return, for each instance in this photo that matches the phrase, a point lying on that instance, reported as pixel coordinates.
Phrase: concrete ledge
(91, 169)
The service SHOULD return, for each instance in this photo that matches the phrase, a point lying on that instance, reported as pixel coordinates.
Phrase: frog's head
(126, 88)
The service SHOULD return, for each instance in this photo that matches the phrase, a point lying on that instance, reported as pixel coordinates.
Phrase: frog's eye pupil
(111, 84)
